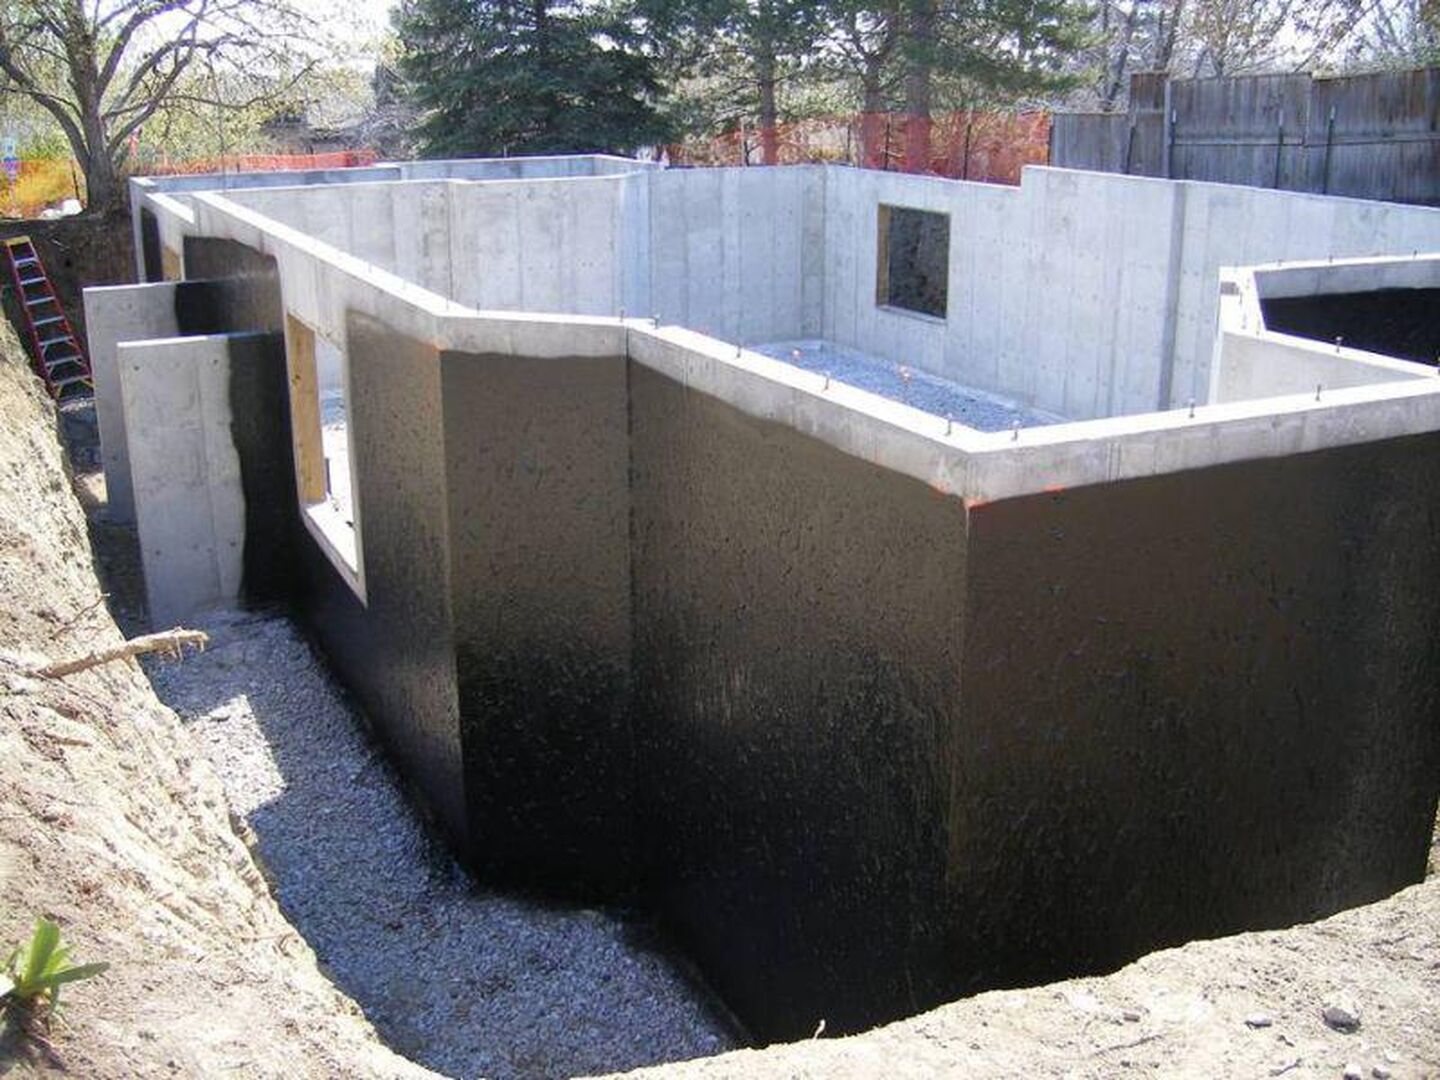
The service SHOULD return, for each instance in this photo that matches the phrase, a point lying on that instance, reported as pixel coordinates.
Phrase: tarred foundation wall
(797, 679)
(1196, 704)
(537, 486)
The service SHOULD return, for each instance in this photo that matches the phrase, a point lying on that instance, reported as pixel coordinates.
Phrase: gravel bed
(976, 409)
(463, 980)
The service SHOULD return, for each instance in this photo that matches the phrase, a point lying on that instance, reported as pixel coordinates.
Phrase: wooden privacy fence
(1370, 136)
(983, 145)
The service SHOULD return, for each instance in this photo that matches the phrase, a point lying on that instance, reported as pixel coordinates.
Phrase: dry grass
(43, 182)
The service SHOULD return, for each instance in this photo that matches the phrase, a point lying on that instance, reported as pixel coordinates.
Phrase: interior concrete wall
(739, 254)
(552, 245)
(1087, 294)
(403, 228)
(185, 473)
(1250, 366)
(1227, 225)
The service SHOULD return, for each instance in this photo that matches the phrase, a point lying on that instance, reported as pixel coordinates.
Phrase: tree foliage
(500, 77)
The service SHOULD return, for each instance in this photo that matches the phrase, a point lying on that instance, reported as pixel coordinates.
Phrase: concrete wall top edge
(989, 466)
(1215, 185)
(1319, 277)
(379, 172)
(322, 284)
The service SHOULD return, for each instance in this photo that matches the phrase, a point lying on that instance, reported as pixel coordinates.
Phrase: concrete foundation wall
(403, 228)
(739, 254)
(1235, 226)
(114, 314)
(797, 657)
(1195, 704)
(552, 246)
(539, 516)
(395, 649)
(185, 472)
(1253, 366)
(1086, 294)
(875, 712)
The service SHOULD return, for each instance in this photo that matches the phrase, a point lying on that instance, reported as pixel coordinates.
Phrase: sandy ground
(112, 824)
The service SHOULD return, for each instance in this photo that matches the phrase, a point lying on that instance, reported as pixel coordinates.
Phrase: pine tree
(495, 77)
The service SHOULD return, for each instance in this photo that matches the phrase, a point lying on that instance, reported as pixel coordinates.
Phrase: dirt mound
(89, 249)
(113, 825)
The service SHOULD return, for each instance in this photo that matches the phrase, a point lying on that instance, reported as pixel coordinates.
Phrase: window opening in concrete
(320, 426)
(914, 260)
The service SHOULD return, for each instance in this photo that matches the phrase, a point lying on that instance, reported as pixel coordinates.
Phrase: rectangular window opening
(913, 272)
(319, 416)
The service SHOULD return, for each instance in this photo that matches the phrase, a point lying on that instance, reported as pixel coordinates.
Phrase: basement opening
(914, 261)
(324, 480)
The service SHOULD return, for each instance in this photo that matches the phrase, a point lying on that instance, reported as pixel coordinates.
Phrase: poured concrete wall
(400, 227)
(538, 515)
(798, 623)
(1086, 294)
(184, 471)
(396, 649)
(739, 254)
(878, 718)
(113, 314)
(553, 246)
(1195, 704)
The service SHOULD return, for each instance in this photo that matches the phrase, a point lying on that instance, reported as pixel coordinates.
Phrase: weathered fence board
(1372, 136)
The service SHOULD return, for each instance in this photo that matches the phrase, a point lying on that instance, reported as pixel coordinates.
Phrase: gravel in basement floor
(976, 409)
(461, 980)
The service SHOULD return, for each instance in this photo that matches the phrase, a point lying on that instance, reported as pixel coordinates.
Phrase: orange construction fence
(338, 159)
(46, 182)
(985, 145)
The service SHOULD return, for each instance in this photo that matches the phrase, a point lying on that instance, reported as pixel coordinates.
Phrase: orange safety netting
(48, 182)
(339, 159)
(967, 144)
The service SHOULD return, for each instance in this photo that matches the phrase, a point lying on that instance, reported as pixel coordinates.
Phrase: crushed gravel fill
(462, 980)
(906, 384)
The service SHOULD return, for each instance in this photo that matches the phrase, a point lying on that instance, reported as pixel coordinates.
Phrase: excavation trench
(461, 979)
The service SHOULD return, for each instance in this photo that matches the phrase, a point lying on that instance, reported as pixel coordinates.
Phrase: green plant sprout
(33, 973)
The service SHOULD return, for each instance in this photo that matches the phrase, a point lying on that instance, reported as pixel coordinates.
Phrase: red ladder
(58, 357)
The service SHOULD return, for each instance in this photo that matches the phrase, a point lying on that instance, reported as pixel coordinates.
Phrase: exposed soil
(112, 824)
(87, 249)
(1252, 1005)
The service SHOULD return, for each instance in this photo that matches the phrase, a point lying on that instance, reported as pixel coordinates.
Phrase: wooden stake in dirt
(170, 642)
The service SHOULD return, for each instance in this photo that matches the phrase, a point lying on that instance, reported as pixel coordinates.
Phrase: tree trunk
(103, 189)
(921, 26)
(1115, 77)
(102, 180)
(769, 113)
(872, 115)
